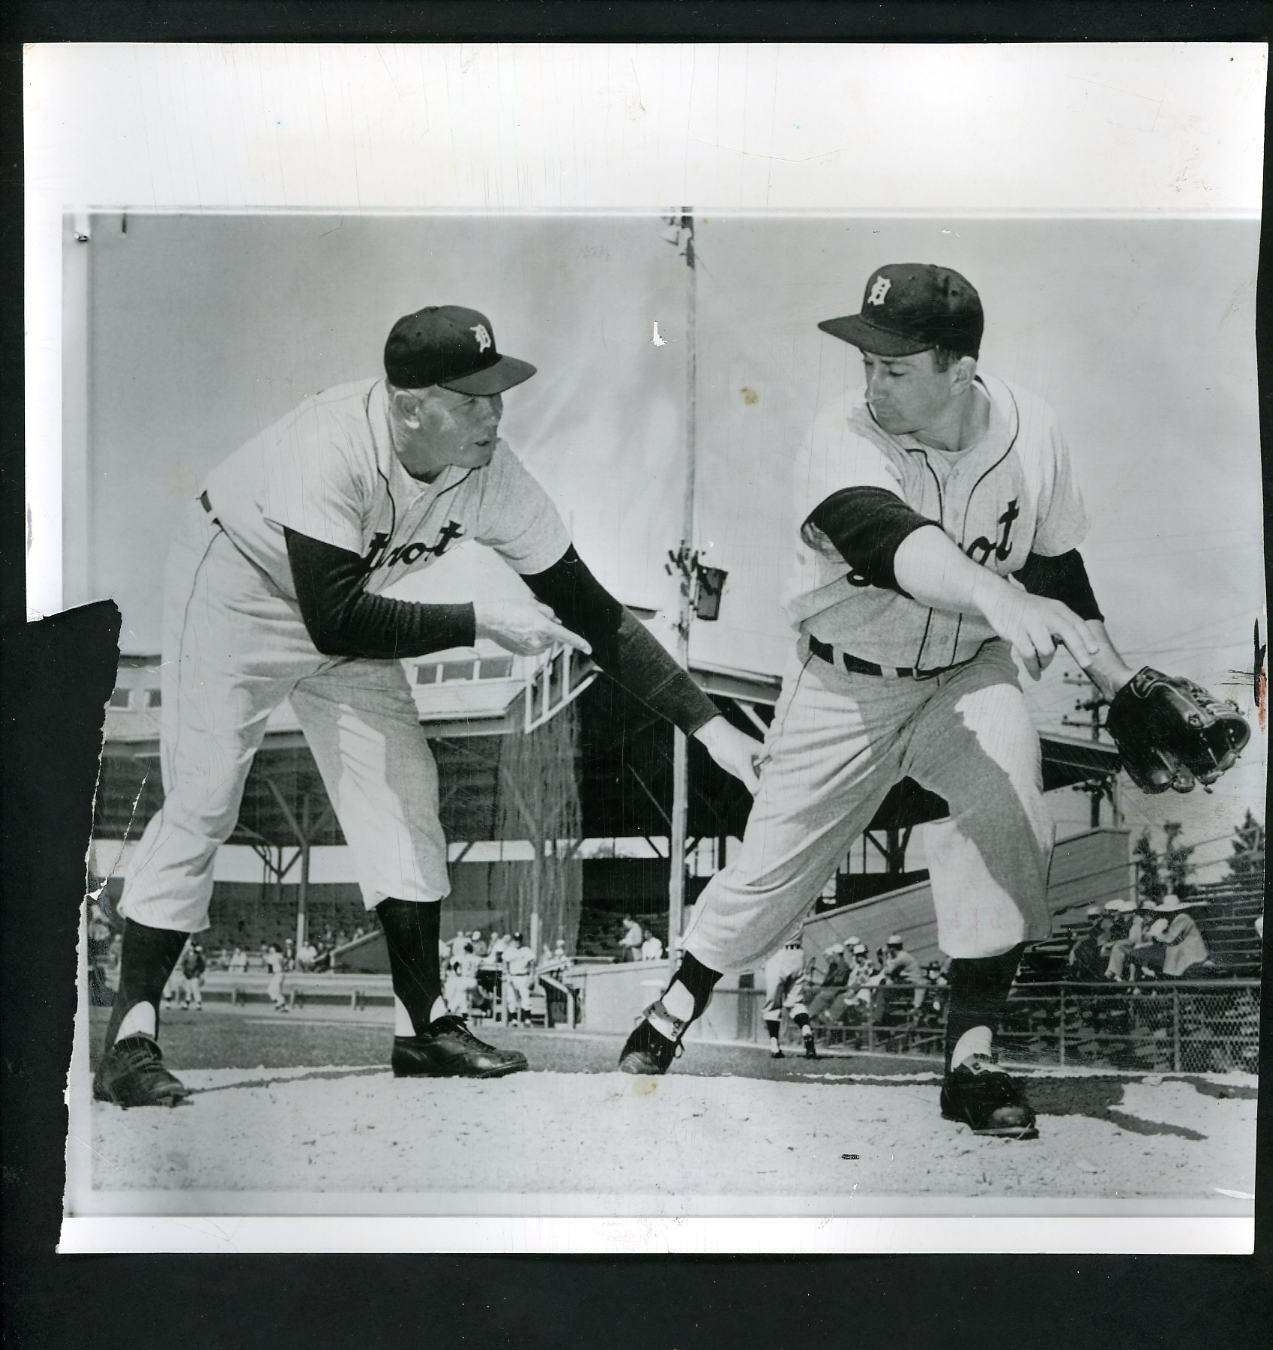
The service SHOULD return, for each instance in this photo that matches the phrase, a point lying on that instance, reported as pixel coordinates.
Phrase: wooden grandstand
(1227, 924)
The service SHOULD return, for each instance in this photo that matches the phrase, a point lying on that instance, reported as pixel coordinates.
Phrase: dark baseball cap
(910, 307)
(453, 347)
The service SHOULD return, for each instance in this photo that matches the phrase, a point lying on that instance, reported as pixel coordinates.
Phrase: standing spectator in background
(631, 939)
(192, 965)
(274, 963)
(651, 946)
(466, 966)
(519, 963)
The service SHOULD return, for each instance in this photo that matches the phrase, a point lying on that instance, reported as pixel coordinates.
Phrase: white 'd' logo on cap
(878, 291)
(482, 336)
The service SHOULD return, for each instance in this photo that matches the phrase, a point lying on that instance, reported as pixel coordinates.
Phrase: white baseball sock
(974, 1041)
(140, 1020)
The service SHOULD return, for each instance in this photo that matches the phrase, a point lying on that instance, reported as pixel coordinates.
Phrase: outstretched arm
(1064, 578)
(930, 567)
(623, 647)
(344, 619)
(891, 545)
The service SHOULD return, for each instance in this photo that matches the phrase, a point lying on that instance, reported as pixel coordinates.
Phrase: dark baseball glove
(1172, 733)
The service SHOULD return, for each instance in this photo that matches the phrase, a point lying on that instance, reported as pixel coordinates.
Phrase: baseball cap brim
(504, 374)
(853, 328)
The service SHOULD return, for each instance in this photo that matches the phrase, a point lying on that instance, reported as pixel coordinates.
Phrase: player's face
(451, 429)
(908, 395)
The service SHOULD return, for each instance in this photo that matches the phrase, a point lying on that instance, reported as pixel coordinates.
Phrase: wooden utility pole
(685, 561)
(1098, 787)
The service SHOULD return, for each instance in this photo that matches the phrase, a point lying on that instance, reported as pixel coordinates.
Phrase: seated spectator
(1129, 924)
(651, 946)
(934, 1008)
(630, 939)
(238, 960)
(835, 977)
(1087, 959)
(554, 960)
(901, 967)
(853, 1001)
(1176, 947)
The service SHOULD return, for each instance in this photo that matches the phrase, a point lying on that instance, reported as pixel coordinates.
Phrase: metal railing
(1171, 1026)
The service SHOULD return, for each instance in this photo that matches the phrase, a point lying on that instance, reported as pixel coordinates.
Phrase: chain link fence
(1196, 1026)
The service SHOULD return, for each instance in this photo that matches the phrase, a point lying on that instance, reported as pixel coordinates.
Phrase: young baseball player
(786, 983)
(273, 592)
(940, 532)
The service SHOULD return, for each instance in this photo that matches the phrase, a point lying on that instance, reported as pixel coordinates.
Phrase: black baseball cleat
(132, 1073)
(987, 1100)
(810, 1048)
(777, 1054)
(648, 1050)
(450, 1050)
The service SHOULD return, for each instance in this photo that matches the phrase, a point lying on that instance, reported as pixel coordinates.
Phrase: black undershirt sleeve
(1062, 578)
(621, 645)
(344, 619)
(866, 525)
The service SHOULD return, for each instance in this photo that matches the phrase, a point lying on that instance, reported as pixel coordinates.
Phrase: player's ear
(962, 374)
(408, 404)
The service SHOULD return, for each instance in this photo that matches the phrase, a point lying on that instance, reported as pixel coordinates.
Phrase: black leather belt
(207, 506)
(856, 666)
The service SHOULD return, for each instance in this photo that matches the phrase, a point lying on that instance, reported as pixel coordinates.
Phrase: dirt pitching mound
(825, 1142)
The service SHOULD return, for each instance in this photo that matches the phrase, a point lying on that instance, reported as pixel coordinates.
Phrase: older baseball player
(940, 526)
(273, 592)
